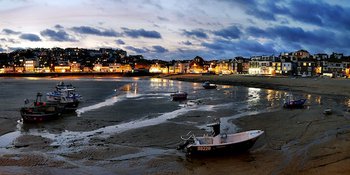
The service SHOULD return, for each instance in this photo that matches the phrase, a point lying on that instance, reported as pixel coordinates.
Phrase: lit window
(304, 64)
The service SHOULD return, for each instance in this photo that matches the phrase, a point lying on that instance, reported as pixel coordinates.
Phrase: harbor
(107, 135)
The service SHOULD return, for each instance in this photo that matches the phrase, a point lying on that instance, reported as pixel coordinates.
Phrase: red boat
(40, 111)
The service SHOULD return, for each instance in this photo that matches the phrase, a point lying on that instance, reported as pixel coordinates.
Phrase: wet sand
(300, 141)
(329, 86)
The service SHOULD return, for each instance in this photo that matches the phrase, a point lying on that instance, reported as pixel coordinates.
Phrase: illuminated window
(304, 64)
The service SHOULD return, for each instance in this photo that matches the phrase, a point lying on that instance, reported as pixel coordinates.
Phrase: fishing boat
(65, 96)
(219, 143)
(290, 102)
(40, 111)
(178, 96)
(62, 86)
(208, 85)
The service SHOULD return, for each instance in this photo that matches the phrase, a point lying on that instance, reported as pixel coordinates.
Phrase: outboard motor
(216, 128)
(183, 145)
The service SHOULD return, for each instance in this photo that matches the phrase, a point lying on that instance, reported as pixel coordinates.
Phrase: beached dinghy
(217, 143)
(178, 96)
(290, 102)
(208, 85)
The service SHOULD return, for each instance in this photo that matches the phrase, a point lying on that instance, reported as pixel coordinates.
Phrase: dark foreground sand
(300, 141)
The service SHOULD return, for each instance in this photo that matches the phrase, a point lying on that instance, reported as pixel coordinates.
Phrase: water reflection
(347, 102)
(253, 96)
(318, 100)
(160, 83)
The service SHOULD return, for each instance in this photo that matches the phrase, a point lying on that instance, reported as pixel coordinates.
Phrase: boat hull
(295, 104)
(209, 87)
(220, 149)
(36, 117)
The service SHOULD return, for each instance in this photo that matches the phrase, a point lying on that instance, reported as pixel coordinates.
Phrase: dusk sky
(178, 29)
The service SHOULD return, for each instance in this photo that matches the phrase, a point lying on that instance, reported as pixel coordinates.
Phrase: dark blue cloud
(57, 26)
(30, 37)
(295, 38)
(119, 41)
(10, 32)
(231, 32)
(187, 43)
(198, 33)
(60, 35)
(16, 48)
(257, 32)
(319, 13)
(160, 49)
(137, 33)
(241, 47)
(297, 34)
(94, 31)
(2, 49)
(137, 50)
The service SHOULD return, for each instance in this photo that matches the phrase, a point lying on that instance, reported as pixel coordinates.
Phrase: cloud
(257, 32)
(240, 47)
(187, 43)
(15, 48)
(9, 40)
(94, 31)
(60, 35)
(137, 33)
(10, 32)
(137, 50)
(30, 37)
(57, 26)
(160, 49)
(318, 37)
(198, 33)
(319, 13)
(119, 41)
(231, 32)
(162, 18)
(2, 49)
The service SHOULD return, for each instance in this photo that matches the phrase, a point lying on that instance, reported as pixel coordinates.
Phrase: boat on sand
(219, 143)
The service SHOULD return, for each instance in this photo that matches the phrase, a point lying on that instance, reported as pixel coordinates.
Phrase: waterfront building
(29, 65)
(261, 65)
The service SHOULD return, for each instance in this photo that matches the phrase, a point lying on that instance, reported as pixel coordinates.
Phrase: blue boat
(208, 85)
(291, 103)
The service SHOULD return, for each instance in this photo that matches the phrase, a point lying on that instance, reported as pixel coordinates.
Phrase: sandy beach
(300, 141)
(318, 85)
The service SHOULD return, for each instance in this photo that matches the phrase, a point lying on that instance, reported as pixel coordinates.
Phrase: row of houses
(299, 63)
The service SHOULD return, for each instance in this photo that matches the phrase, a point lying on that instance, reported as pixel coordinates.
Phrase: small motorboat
(61, 86)
(178, 96)
(291, 103)
(219, 143)
(208, 85)
(327, 111)
(40, 111)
